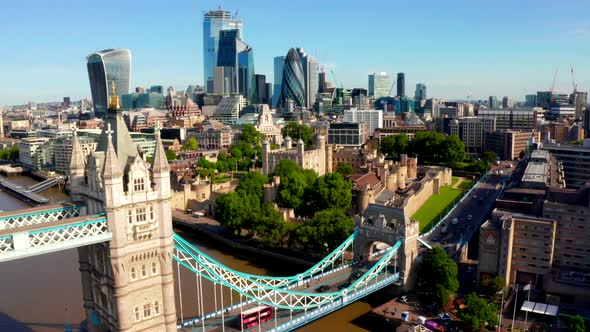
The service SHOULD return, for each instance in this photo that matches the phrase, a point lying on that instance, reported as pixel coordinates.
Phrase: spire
(159, 163)
(114, 98)
(77, 158)
(111, 167)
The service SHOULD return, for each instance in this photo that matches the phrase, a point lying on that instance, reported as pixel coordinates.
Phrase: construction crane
(338, 84)
(575, 85)
(391, 89)
(553, 85)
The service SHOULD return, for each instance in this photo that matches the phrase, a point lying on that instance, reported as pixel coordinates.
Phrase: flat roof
(540, 308)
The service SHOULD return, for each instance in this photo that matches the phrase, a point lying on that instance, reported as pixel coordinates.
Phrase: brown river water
(44, 293)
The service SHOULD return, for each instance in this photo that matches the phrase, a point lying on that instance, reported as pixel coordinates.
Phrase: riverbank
(214, 233)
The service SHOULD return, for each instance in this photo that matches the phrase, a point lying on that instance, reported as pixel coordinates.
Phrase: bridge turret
(161, 168)
(112, 174)
(77, 163)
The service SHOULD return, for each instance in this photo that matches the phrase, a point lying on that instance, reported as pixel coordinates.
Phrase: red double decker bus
(258, 315)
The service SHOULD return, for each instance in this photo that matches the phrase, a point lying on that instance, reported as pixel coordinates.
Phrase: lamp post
(529, 286)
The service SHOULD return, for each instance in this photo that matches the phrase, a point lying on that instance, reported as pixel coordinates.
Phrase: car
(322, 289)
(435, 238)
(497, 162)
(455, 221)
(198, 214)
(469, 217)
(357, 274)
(474, 196)
(344, 285)
(444, 229)
(403, 299)
(509, 166)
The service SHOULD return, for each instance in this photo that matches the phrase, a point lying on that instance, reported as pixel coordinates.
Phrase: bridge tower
(382, 224)
(128, 282)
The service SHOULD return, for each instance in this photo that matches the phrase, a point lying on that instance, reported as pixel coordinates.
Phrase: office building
(278, 62)
(347, 133)
(420, 92)
(506, 102)
(538, 234)
(157, 89)
(66, 103)
(213, 22)
(471, 131)
(579, 99)
(35, 152)
(401, 85)
(515, 119)
(292, 84)
(309, 66)
(379, 85)
(63, 151)
(373, 118)
(237, 60)
(229, 108)
(493, 102)
(544, 99)
(104, 68)
(586, 122)
(575, 160)
(530, 101)
(508, 144)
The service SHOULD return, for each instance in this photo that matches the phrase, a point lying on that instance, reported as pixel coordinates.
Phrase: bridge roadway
(333, 280)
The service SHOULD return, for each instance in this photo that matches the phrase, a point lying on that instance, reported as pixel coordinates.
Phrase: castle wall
(428, 188)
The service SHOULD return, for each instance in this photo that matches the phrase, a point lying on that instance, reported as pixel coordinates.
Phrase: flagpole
(501, 309)
(526, 312)
(515, 304)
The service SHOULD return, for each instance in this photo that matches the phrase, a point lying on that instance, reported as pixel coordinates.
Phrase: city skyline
(514, 57)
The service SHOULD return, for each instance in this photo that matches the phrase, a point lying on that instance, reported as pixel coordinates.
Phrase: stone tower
(127, 282)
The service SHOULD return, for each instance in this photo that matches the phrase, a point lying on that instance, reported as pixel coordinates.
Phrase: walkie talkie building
(104, 67)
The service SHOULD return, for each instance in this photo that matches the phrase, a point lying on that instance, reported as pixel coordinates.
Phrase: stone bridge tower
(381, 224)
(128, 282)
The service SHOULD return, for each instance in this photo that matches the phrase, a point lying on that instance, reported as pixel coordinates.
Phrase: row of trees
(9, 154)
(322, 199)
(429, 145)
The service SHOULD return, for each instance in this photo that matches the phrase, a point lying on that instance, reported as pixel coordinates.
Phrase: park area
(437, 205)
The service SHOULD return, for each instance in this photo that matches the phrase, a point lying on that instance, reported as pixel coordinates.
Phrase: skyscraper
(279, 61)
(104, 67)
(493, 103)
(420, 92)
(379, 85)
(530, 101)
(309, 65)
(213, 22)
(237, 60)
(401, 84)
(261, 93)
(292, 85)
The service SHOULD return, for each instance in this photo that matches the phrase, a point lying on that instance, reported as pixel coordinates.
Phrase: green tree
(253, 184)
(395, 145)
(428, 145)
(326, 230)
(236, 211)
(477, 313)
(489, 156)
(491, 286)
(521, 154)
(170, 155)
(13, 153)
(344, 169)
(250, 135)
(438, 272)
(576, 323)
(297, 131)
(286, 167)
(191, 144)
(452, 149)
(331, 191)
(270, 226)
(292, 191)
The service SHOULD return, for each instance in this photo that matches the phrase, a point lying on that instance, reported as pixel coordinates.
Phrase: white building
(379, 85)
(34, 152)
(373, 118)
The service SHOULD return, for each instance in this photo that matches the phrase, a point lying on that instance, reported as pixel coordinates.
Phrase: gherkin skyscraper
(292, 86)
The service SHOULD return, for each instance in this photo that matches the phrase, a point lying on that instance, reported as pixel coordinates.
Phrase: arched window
(143, 271)
(156, 308)
(137, 314)
(147, 310)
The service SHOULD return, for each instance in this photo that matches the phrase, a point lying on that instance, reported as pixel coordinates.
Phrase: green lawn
(454, 181)
(430, 211)
(466, 184)
(221, 179)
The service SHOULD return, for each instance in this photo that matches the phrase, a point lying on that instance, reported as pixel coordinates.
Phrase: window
(137, 314)
(138, 184)
(151, 212)
(130, 215)
(156, 308)
(140, 215)
(143, 271)
(133, 274)
(154, 268)
(147, 311)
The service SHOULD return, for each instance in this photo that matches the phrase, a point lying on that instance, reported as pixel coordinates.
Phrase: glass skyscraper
(292, 85)
(213, 22)
(379, 85)
(104, 67)
(237, 60)
(309, 65)
(401, 84)
(420, 93)
(279, 61)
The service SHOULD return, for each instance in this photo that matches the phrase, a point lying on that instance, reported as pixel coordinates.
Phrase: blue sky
(455, 47)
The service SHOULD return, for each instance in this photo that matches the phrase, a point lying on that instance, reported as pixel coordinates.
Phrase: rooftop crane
(391, 89)
(574, 80)
(338, 84)
(553, 85)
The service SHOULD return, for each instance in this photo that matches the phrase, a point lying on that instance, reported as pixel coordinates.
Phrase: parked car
(455, 221)
(444, 229)
(322, 289)
(497, 162)
(469, 217)
(403, 299)
(198, 214)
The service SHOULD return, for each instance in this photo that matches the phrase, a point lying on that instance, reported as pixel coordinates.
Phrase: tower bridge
(121, 224)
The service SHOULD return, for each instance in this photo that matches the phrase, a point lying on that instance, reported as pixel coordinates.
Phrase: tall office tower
(530, 101)
(269, 95)
(309, 65)
(379, 84)
(279, 61)
(237, 60)
(66, 103)
(292, 85)
(105, 67)
(261, 93)
(579, 99)
(493, 102)
(420, 92)
(505, 103)
(544, 99)
(213, 22)
(401, 84)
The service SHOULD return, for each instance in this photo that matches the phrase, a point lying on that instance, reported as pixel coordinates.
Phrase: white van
(198, 214)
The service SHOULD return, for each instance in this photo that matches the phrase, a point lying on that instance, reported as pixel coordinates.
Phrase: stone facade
(127, 282)
(318, 159)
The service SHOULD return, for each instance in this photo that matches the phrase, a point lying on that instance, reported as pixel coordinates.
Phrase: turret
(288, 143)
(301, 152)
(111, 174)
(265, 154)
(160, 168)
(77, 165)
